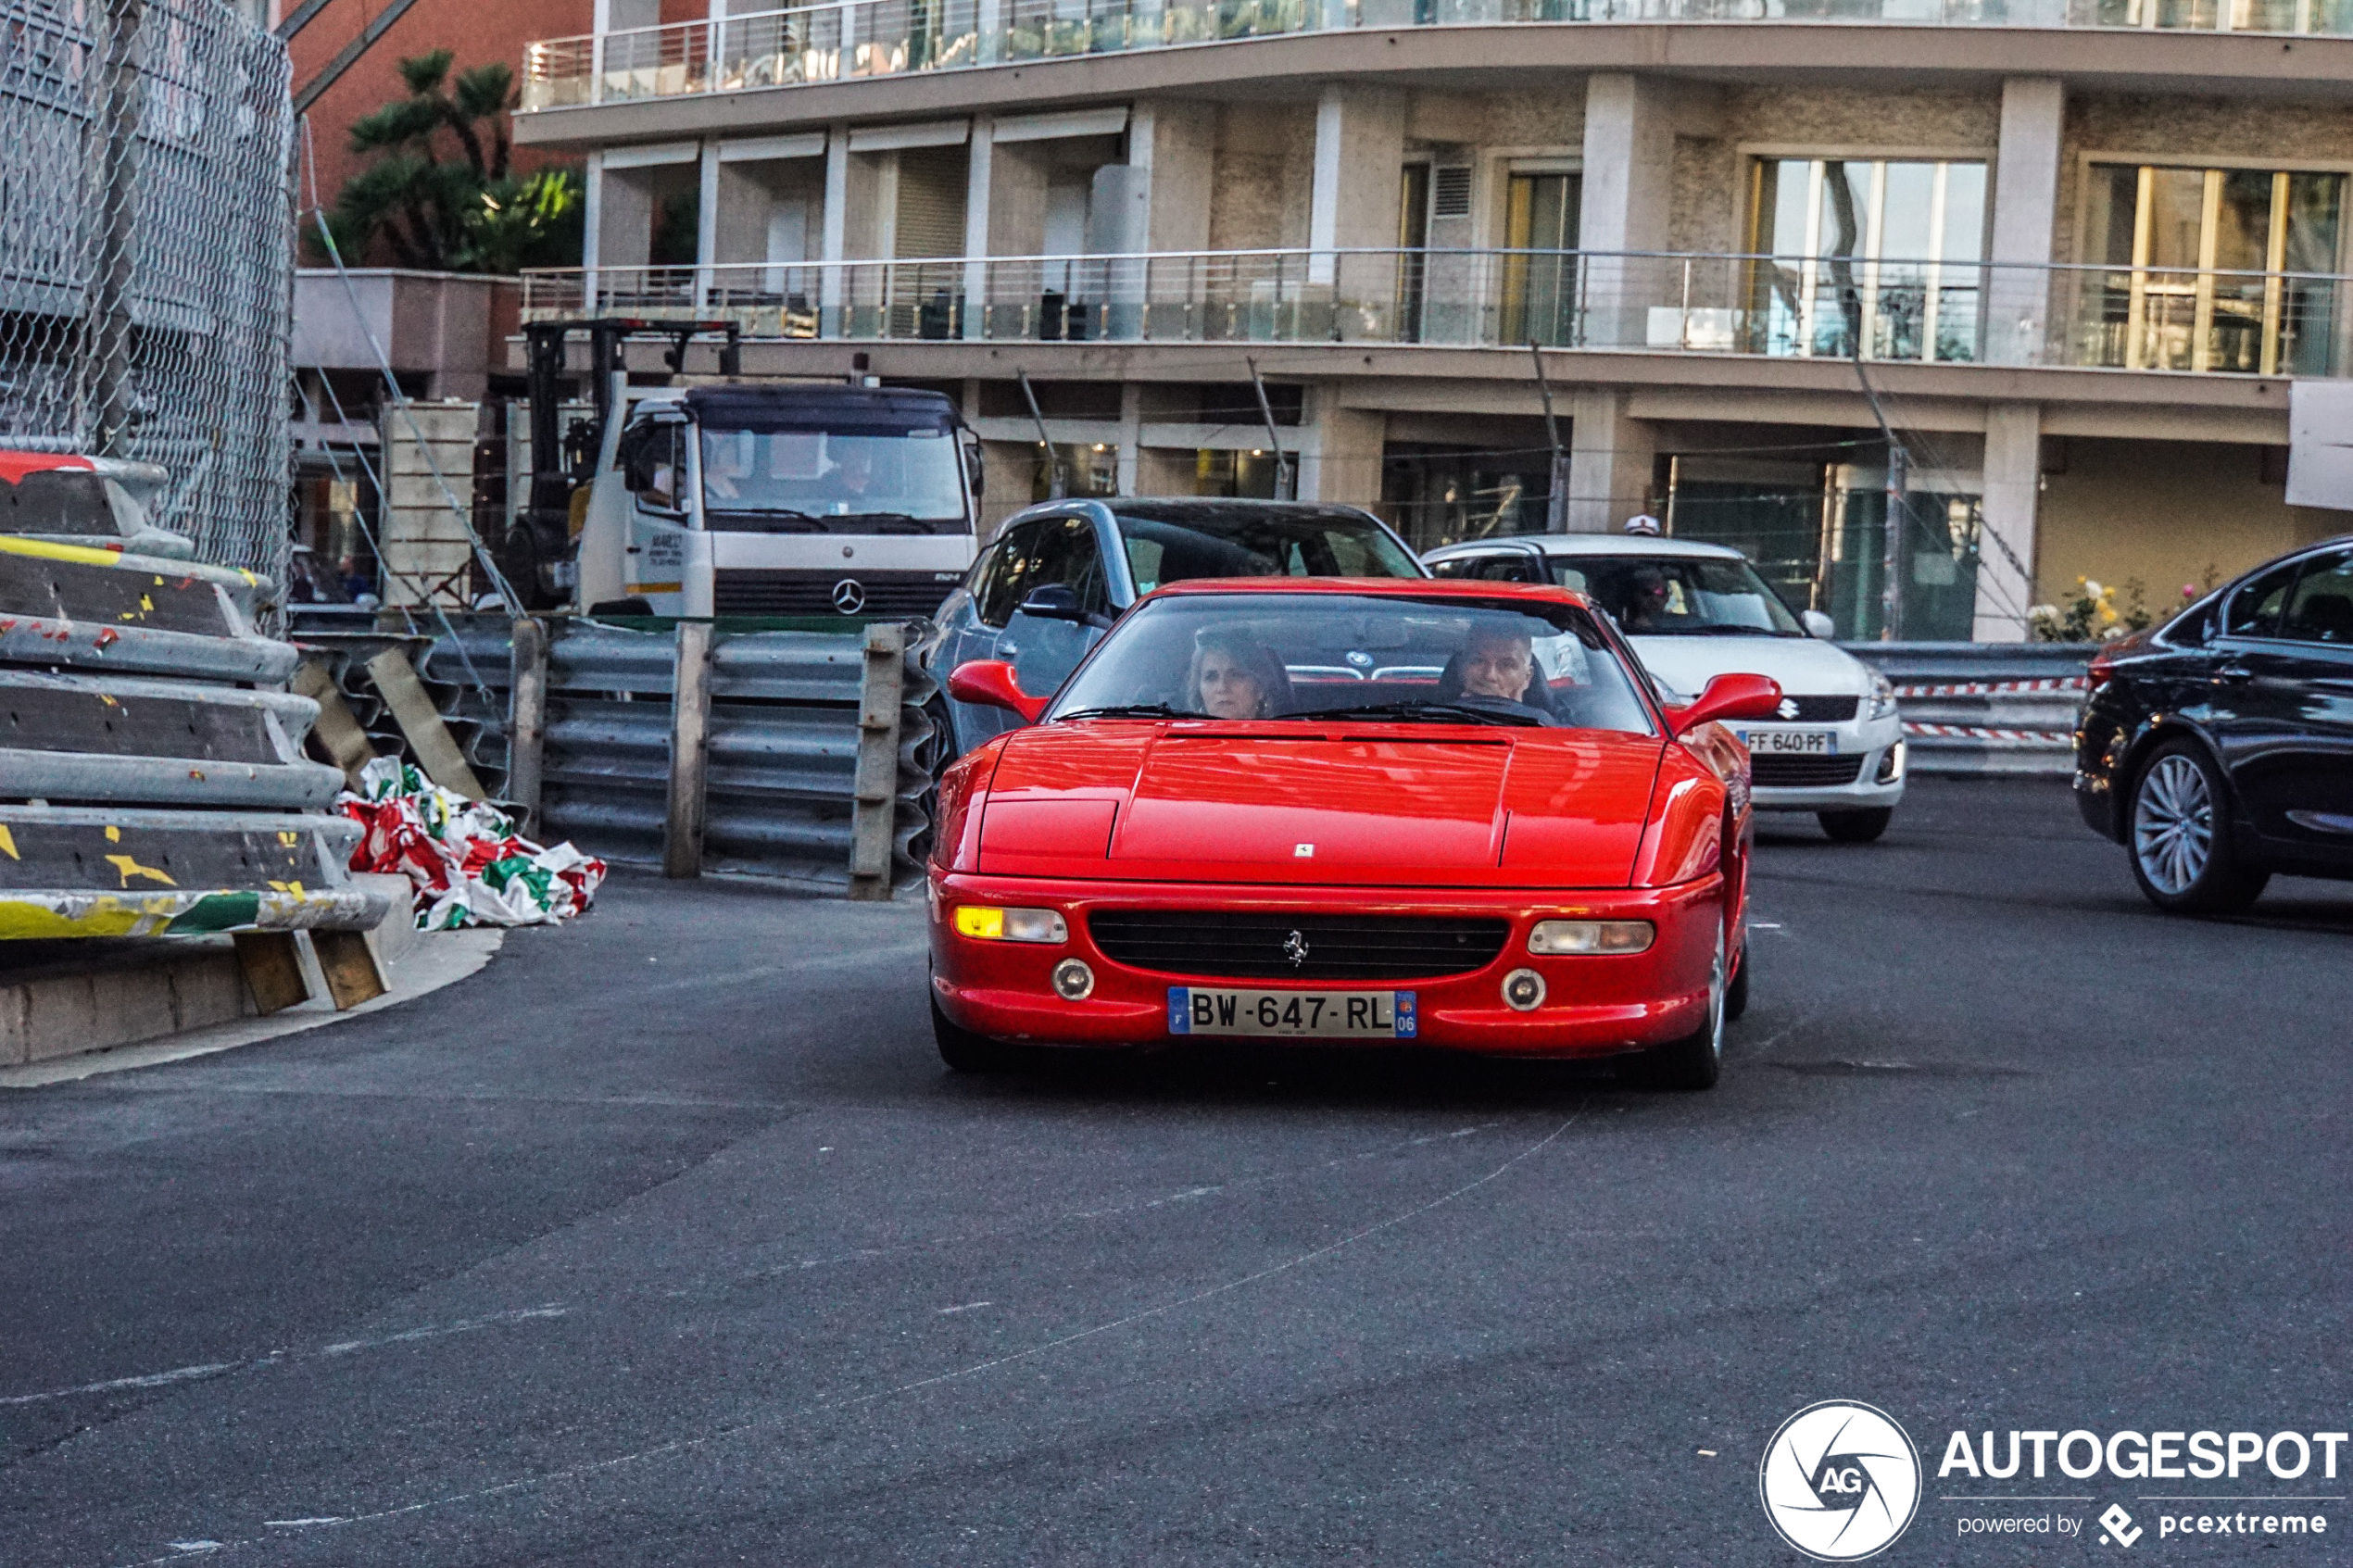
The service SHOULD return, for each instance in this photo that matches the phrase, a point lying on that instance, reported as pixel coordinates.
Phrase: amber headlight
(1591, 936)
(987, 924)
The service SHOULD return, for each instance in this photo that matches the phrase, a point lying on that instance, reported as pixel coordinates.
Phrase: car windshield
(1305, 657)
(1261, 543)
(840, 478)
(1669, 596)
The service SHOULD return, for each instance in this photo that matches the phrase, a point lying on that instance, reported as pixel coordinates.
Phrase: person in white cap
(1643, 524)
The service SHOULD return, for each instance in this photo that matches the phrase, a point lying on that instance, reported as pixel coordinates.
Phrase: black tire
(1857, 827)
(1736, 997)
(2177, 834)
(962, 1050)
(1697, 1060)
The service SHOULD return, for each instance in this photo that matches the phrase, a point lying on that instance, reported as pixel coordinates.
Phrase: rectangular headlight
(987, 924)
(1591, 936)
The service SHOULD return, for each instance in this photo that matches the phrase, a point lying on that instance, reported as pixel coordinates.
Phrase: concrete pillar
(836, 228)
(1629, 180)
(1131, 430)
(706, 222)
(591, 214)
(2013, 478)
(1360, 157)
(624, 217)
(979, 170)
(1175, 143)
(2020, 303)
(1344, 466)
(1610, 460)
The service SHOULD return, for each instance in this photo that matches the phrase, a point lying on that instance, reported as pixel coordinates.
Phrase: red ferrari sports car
(1349, 810)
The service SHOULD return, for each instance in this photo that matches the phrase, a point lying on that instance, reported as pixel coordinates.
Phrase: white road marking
(685, 1445)
(343, 1347)
(967, 1306)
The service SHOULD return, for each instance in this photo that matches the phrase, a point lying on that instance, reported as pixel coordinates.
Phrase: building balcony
(853, 40)
(1832, 309)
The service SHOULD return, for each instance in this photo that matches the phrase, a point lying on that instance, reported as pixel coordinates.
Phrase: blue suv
(1057, 575)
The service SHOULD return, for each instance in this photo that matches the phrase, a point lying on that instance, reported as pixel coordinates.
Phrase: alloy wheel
(2174, 824)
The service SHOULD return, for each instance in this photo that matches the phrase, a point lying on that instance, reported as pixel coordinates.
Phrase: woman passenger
(1234, 677)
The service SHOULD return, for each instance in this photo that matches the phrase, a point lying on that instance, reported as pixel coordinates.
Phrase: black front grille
(1820, 709)
(885, 594)
(1218, 944)
(1803, 772)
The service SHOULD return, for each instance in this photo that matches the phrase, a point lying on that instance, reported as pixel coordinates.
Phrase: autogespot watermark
(1841, 1481)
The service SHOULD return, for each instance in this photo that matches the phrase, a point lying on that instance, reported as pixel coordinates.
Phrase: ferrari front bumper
(1595, 1004)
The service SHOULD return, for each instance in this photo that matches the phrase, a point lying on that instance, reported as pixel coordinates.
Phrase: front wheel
(2180, 837)
(1857, 827)
(1695, 1060)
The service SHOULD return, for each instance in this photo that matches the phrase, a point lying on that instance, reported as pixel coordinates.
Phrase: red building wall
(479, 30)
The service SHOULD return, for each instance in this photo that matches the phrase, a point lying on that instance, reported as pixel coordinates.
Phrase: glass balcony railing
(1775, 307)
(862, 37)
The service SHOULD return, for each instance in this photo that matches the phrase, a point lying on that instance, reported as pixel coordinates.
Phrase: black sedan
(2219, 750)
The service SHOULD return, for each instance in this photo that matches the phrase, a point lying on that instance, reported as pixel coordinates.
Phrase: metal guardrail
(780, 760)
(141, 793)
(1985, 708)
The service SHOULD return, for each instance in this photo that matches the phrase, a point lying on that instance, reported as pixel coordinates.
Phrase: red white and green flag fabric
(463, 857)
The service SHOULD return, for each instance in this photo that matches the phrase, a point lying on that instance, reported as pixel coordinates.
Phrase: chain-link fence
(145, 255)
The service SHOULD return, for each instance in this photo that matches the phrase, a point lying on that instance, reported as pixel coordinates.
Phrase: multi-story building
(2072, 253)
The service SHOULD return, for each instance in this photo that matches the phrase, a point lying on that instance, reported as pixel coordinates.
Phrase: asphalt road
(666, 1239)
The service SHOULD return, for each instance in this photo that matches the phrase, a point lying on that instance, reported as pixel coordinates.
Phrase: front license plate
(1791, 742)
(1343, 1015)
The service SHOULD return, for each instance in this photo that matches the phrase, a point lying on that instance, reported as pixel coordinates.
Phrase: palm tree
(464, 214)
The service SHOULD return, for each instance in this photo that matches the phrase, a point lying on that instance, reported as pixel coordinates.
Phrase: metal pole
(527, 719)
(109, 343)
(1286, 483)
(689, 753)
(874, 806)
(1556, 503)
(1892, 551)
(1055, 488)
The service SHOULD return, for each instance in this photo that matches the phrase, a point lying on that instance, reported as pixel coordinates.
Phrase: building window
(1880, 253)
(2211, 270)
(1540, 273)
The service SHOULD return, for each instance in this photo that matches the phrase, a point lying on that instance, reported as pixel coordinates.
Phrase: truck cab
(787, 499)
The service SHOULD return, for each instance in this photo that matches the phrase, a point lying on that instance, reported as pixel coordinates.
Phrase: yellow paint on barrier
(114, 834)
(131, 868)
(24, 922)
(290, 839)
(82, 553)
(8, 843)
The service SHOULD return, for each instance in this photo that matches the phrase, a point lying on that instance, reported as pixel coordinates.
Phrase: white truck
(797, 499)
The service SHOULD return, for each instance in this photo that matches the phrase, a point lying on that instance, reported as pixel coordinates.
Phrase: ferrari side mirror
(1818, 625)
(988, 682)
(1729, 697)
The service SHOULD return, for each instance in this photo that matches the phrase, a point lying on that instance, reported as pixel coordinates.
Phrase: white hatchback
(1695, 611)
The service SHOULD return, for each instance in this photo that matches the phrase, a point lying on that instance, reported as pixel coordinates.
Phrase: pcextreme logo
(1841, 1481)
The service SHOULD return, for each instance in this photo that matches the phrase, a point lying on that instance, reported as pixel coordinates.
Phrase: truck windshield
(838, 478)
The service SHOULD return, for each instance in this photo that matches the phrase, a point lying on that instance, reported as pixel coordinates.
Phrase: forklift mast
(564, 460)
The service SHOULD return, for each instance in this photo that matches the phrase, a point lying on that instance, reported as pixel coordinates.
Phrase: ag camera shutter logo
(1840, 1481)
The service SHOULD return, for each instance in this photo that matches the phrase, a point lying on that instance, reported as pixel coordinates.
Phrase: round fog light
(1073, 982)
(1524, 990)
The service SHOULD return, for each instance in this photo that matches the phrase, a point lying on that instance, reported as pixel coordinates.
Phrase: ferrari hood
(1351, 805)
(1803, 666)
